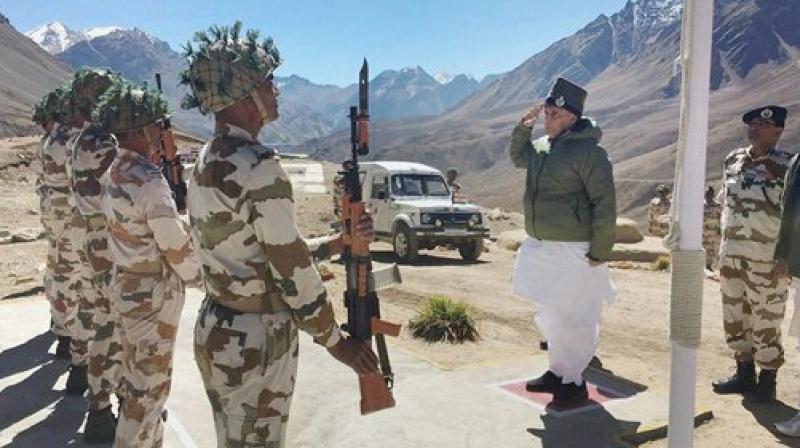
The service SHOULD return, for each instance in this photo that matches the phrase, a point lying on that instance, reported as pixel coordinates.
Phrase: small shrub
(442, 319)
(662, 264)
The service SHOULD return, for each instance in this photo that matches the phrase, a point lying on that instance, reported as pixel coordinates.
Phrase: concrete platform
(435, 408)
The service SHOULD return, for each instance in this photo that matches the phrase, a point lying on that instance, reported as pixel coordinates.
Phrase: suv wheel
(471, 250)
(406, 246)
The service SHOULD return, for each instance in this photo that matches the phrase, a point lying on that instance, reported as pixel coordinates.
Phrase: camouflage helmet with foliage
(224, 68)
(49, 107)
(83, 91)
(126, 107)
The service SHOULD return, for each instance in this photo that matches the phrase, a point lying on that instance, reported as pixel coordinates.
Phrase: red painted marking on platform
(597, 396)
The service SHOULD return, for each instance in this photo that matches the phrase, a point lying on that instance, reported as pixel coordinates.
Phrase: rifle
(360, 297)
(171, 166)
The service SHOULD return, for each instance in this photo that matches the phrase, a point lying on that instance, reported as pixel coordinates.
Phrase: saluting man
(570, 216)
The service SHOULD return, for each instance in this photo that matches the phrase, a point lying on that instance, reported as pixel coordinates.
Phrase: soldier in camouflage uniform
(52, 189)
(658, 212)
(92, 152)
(712, 211)
(64, 283)
(753, 297)
(261, 283)
(152, 254)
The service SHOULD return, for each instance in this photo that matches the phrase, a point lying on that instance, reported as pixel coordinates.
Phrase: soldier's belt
(268, 303)
(59, 190)
(96, 221)
(155, 268)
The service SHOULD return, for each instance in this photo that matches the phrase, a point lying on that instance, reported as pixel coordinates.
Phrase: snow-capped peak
(56, 37)
(657, 12)
(98, 31)
(443, 77)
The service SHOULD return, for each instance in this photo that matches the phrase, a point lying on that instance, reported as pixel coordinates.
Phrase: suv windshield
(419, 185)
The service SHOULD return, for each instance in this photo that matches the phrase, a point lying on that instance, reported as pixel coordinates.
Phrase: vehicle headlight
(425, 218)
(475, 219)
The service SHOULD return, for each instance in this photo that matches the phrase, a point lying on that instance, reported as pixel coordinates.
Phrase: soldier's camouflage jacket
(146, 233)
(92, 153)
(244, 229)
(751, 208)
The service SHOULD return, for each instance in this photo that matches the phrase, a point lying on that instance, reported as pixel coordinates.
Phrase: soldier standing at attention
(658, 212)
(52, 187)
(92, 151)
(152, 254)
(257, 270)
(753, 294)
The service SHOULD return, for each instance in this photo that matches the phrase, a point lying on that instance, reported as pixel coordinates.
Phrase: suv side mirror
(382, 195)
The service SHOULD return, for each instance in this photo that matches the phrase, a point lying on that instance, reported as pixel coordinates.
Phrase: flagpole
(688, 260)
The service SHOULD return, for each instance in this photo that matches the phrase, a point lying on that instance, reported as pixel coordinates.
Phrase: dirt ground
(634, 342)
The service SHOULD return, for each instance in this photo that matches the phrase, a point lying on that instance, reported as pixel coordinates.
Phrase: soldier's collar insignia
(766, 114)
(560, 102)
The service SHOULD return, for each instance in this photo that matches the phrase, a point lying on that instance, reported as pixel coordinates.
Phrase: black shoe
(545, 383)
(62, 349)
(100, 427)
(569, 394)
(77, 382)
(543, 346)
(765, 390)
(743, 381)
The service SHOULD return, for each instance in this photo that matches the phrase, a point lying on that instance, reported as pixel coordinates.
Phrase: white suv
(413, 209)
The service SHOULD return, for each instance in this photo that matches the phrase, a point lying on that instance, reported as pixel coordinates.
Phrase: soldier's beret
(775, 114)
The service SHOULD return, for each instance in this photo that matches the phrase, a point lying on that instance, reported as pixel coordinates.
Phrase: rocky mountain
(26, 73)
(627, 63)
(308, 110)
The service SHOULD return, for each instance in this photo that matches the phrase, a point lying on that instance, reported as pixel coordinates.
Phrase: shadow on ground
(596, 428)
(35, 392)
(767, 414)
(26, 356)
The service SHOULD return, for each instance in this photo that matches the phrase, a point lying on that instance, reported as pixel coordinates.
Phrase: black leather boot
(545, 383)
(77, 382)
(743, 381)
(62, 349)
(569, 394)
(100, 426)
(765, 390)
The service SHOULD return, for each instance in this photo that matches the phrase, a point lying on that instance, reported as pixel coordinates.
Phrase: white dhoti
(570, 295)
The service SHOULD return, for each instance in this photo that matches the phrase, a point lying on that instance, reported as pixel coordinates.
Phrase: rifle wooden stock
(375, 394)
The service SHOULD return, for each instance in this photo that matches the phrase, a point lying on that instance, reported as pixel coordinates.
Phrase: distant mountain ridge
(627, 63)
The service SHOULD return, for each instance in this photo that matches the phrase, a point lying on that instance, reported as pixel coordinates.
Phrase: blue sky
(324, 41)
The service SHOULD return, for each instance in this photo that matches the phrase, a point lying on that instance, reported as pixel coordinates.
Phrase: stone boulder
(627, 232)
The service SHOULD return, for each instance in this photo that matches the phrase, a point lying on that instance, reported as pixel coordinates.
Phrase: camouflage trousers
(248, 363)
(753, 305)
(105, 350)
(64, 281)
(150, 308)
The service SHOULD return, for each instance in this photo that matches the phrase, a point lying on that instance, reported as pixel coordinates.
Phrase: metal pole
(696, 66)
